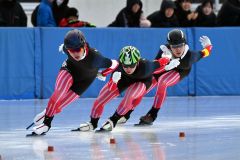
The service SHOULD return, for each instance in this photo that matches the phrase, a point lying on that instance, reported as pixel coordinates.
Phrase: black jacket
(12, 14)
(126, 18)
(182, 15)
(229, 14)
(205, 20)
(59, 11)
(158, 18)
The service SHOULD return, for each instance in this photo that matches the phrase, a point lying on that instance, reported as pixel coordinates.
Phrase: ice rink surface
(211, 126)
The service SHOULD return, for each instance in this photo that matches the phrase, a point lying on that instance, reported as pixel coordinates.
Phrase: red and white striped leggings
(165, 80)
(62, 95)
(134, 92)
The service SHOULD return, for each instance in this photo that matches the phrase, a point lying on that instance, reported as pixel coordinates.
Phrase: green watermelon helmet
(129, 56)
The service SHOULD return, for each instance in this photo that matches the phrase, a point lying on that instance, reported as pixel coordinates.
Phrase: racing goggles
(177, 45)
(76, 49)
(129, 66)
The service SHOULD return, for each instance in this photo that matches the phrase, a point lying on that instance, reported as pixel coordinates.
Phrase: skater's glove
(116, 77)
(101, 77)
(60, 48)
(163, 61)
(111, 68)
(206, 44)
(173, 64)
(205, 41)
(166, 52)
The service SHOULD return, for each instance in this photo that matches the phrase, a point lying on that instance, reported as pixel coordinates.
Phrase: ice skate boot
(149, 118)
(124, 118)
(88, 126)
(110, 123)
(43, 128)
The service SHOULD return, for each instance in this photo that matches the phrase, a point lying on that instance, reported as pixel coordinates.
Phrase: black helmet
(74, 39)
(176, 38)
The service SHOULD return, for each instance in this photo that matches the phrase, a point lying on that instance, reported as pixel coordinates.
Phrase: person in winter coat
(205, 15)
(44, 14)
(185, 16)
(229, 14)
(71, 20)
(165, 17)
(131, 16)
(12, 14)
(59, 9)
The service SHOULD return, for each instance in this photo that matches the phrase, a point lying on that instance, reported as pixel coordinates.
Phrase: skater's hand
(207, 46)
(205, 41)
(116, 77)
(60, 48)
(173, 64)
(163, 61)
(101, 77)
(166, 52)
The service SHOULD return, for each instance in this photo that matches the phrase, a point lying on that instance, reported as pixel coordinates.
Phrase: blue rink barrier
(30, 59)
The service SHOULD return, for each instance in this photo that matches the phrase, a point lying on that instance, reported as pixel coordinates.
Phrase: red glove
(110, 69)
(163, 61)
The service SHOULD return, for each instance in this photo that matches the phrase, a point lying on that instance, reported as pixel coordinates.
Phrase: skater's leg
(62, 89)
(104, 97)
(63, 83)
(133, 92)
(67, 99)
(167, 79)
(135, 103)
(138, 100)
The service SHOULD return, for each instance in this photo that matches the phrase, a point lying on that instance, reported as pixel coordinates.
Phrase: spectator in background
(205, 15)
(34, 16)
(131, 16)
(12, 14)
(59, 9)
(71, 20)
(165, 17)
(44, 15)
(185, 16)
(229, 14)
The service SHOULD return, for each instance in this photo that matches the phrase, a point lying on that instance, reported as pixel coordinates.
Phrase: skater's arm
(205, 52)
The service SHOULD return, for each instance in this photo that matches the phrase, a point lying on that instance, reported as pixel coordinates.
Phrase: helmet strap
(186, 48)
(84, 54)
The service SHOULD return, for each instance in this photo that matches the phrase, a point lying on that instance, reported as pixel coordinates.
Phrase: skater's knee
(162, 82)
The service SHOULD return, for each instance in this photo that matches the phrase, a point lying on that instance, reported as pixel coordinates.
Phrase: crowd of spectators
(178, 13)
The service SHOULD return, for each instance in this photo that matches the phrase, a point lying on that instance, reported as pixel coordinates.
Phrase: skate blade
(142, 124)
(102, 131)
(76, 130)
(35, 135)
(30, 126)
